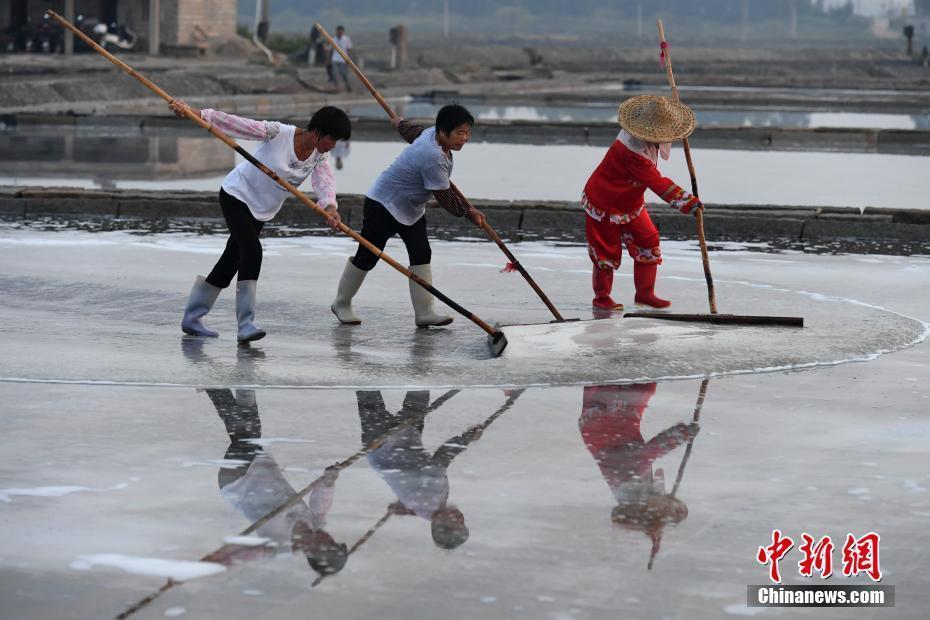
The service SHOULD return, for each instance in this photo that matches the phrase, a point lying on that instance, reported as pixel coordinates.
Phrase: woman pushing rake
(311, 142)
(249, 198)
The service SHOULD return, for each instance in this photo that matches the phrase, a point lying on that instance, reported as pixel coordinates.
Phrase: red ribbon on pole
(664, 46)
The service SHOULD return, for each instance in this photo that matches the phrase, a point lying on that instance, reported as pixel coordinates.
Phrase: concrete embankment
(895, 230)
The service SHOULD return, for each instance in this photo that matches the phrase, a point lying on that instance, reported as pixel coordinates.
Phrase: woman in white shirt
(249, 198)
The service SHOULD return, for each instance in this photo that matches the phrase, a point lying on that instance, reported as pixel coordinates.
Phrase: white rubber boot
(349, 283)
(245, 311)
(201, 299)
(423, 301)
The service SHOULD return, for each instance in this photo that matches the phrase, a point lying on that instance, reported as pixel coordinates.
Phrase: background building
(182, 25)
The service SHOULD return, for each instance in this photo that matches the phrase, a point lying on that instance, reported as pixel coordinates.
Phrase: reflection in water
(417, 477)
(252, 482)
(705, 117)
(340, 153)
(121, 153)
(610, 427)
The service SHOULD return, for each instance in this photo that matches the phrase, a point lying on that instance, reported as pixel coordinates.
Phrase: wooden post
(69, 36)
(398, 38)
(154, 27)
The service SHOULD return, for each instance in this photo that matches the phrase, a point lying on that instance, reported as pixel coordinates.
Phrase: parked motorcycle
(115, 37)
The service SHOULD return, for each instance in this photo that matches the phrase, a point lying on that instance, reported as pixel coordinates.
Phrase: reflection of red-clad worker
(610, 427)
(613, 200)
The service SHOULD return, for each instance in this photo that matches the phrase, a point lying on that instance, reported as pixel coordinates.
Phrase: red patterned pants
(606, 240)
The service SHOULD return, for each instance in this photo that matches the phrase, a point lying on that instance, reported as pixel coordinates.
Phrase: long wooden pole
(486, 227)
(496, 338)
(684, 463)
(696, 417)
(711, 296)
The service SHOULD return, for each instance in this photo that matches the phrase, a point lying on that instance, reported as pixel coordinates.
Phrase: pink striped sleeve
(323, 183)
(240, 127)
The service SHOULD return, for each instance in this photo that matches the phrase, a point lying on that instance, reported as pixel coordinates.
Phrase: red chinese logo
(773, 553)
(860, 555)
(817, 557)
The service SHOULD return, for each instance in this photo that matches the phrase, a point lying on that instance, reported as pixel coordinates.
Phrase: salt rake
(497, 341)
(486, 226)
(713, 317)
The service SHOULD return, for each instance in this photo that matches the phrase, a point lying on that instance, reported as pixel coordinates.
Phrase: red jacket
(618, 184)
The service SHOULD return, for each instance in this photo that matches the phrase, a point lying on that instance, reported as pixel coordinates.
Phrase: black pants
(242, 425)
(378, 225)
(243, 251)
(375, 419)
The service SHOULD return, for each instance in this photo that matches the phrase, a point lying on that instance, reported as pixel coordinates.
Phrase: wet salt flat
(518, 172)
(837, 329)
(506, 501)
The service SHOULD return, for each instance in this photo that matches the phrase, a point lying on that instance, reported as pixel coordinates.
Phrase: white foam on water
(174, 612)
(53, 491)
(221, 463)
(177, 570)
(246, 541)
(741, 609)
(264, 442)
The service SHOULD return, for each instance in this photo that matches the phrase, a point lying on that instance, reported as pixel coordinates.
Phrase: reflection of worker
(417, 477)
(340, 153)
(252, 482)
(610, 426)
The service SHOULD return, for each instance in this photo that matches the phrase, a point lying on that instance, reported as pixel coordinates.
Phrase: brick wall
(197, 20)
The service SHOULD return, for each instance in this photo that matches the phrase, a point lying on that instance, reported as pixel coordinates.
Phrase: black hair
(451, 116)
(331, 121)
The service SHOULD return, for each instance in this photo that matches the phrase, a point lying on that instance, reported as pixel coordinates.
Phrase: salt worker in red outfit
(615, 211)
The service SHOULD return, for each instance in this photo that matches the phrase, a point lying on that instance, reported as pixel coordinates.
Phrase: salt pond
(158, 470)
(558, 172)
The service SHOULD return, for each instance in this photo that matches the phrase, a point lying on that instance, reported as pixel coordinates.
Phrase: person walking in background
(249, 198)
(613, 198)
(340, 68)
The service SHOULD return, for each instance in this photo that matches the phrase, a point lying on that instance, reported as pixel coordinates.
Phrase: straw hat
(656, 119)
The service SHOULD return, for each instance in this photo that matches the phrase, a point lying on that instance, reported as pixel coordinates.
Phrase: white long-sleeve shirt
(263, 196)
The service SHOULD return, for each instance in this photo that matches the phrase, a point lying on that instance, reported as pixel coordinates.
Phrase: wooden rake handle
(705, 258)
(277, 179)
(486, 226)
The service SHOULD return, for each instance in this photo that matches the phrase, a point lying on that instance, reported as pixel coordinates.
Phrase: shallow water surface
(482, 170)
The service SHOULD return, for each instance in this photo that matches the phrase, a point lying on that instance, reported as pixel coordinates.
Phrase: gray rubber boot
(423, 301)
(201, 299)
(245, 311)
(349, 283)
